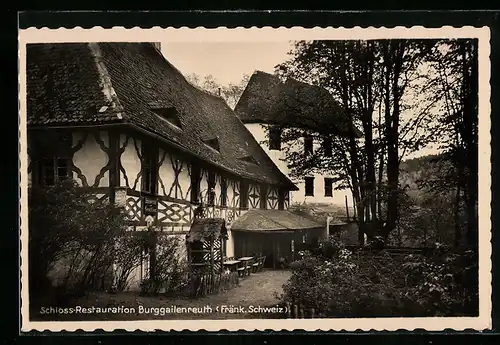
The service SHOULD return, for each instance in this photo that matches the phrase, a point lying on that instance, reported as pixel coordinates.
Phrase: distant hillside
(415, 170)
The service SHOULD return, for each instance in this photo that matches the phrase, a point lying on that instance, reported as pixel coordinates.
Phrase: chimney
(157, 45)
(219, 92)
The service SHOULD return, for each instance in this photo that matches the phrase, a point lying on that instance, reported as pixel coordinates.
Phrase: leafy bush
(170, 271)
(443, 284)
(338, 283)
(71, 240)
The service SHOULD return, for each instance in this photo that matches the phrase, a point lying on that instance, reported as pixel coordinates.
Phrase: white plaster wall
(229, 244)
(259, 133)
(204, 185)
(233, 193)
(90, 159)
(130, 162)
(272, 193)
(185, 180)
(338, 198)
(218, 190)
(253, 189)
(167, 177)
(230, 240)
(277, 156)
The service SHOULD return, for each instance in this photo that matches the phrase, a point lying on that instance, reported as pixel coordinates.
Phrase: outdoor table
(231, 264)
(245, 260)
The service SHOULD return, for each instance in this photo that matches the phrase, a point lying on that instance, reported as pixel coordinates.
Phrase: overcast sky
(226, 61)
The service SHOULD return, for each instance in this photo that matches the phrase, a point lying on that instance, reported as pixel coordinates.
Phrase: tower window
(309, 181)
(274, 138)
(328, 186)
(308, 144)
(327, 147)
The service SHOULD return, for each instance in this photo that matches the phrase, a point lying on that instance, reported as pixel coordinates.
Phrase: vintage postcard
(255, 179)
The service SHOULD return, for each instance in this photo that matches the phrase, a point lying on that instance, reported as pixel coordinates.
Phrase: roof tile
(267, 99)
(273, 220)
(67, 84)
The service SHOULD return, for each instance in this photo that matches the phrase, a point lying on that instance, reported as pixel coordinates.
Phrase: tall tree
(230, 93)
(366, 77)
(457, 64)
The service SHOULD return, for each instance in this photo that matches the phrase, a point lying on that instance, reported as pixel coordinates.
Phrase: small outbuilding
(276, 234)
(206, 243)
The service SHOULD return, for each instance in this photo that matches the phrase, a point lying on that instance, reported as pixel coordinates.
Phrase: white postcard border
(184, 34)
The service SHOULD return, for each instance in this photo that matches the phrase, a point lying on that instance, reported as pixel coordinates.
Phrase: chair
(249, 267)
(262, 260)
(242, 269)
(255, 265)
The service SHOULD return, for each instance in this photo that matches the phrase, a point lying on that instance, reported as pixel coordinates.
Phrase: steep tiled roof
(266, 99)
(273, 220)
(63, 86)
(206, 229)
(89, 83)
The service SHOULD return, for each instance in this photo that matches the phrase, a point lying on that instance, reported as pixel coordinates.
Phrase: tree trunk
(357, 193)
(371, 186)
(456, 217)
(380, 186)
(470, 138)
(380, 167)
(392, 131)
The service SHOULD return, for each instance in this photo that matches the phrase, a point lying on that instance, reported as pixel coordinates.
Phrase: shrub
(170, 271)
(128, 256)
(338, 283)
(444, 284)
(71, 240)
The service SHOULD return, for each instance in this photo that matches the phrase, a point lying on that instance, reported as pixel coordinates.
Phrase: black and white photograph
(268, 182)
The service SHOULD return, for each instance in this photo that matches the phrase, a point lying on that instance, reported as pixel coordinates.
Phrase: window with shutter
(263, 196)
(223, 192)
(195, 184)
(211, 188)
(149, 168)
(53, 157)
(244, 195)
(53, 170)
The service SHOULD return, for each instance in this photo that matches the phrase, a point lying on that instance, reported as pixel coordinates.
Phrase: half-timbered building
(120, 119)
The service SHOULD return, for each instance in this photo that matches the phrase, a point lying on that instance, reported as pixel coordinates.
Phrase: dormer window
(249, 159)
(213, 144)
(170, 115)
